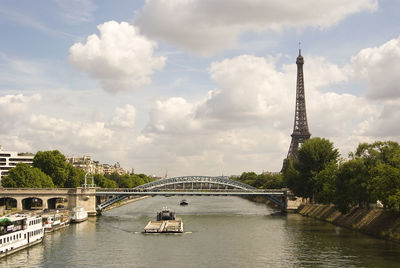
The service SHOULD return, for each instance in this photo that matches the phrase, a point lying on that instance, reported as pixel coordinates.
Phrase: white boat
(18, 232)
(52, 222)
(78, 214)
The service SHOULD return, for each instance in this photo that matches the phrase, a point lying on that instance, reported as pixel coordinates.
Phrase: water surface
(219, 232)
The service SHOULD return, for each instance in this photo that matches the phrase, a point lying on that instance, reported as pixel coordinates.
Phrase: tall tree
(352, 185)
(54, 164)
(75, 177)
(25, 176)
(314, 156)
(382, 161)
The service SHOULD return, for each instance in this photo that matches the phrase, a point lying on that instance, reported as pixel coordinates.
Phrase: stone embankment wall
(375, 221)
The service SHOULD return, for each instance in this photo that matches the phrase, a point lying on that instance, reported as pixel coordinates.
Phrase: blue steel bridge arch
(220, 180)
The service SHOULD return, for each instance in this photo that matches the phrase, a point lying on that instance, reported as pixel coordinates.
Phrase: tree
(75, 177)
(301, 173)
(382, 162)
(54, 164)
(352, 185)
(25, 176)
(274, 182)
(325, 184)
(386, 186)
(103, 182)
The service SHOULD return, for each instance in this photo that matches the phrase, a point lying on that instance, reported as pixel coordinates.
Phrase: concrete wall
(374, 221)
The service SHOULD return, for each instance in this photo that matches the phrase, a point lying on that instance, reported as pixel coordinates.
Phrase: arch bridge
(192, 185)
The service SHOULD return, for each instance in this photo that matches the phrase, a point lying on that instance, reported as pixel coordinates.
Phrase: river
(219, 232)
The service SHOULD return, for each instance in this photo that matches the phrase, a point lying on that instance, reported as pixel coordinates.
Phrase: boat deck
(169, 226)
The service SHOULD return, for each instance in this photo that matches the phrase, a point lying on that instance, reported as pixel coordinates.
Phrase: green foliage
(103, 182)
(385, 185)
(25, 176)
(262, 181)
(75, 177)
(325, 184)
(352, 185)
(382, 161)
(371, 174)
(128, 181)
(304, 175)
(54, 164)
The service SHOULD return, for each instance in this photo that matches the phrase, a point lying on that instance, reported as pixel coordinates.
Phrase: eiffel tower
(300, 130)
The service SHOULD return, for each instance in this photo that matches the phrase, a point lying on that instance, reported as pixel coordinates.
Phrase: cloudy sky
(198, 87)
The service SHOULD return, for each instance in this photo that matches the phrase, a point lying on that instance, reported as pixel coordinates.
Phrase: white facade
(87, 164)
(9, 159)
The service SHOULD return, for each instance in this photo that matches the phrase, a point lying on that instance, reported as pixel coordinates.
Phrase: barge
(166, 223)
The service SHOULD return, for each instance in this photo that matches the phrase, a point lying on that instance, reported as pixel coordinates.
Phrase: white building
(87, 164)
(83, 162)
(9, 159)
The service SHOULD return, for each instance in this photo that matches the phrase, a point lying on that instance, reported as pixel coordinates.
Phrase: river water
(219, 232)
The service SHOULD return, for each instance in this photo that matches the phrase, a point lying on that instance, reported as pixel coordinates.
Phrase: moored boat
(53, 222)
(18, 232)
(78, 214)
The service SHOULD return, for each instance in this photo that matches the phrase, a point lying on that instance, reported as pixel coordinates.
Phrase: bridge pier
(83, 197)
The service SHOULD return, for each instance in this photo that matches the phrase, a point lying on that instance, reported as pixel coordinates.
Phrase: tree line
(50, 169)
(371, 173)
(319, 173)
(261, 181)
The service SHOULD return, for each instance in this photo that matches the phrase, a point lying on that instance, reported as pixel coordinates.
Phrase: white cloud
(11, 105)
(12, 110)
(121, 58)
(246, 122)
(250, 90)
(124, 117)
(380, 67)
(173, 116)
(69, 135)
(206, 26)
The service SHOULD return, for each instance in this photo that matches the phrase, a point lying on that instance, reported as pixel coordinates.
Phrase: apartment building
(87, 164)
(9, 159)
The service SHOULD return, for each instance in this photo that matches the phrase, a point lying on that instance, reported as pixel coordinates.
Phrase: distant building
(84, 162)
(87, 164)
(9, 159)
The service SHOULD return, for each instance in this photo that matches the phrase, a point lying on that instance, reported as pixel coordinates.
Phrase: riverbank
(375, 221)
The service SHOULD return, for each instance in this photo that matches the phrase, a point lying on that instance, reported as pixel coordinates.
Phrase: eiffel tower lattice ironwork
(300, 129)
